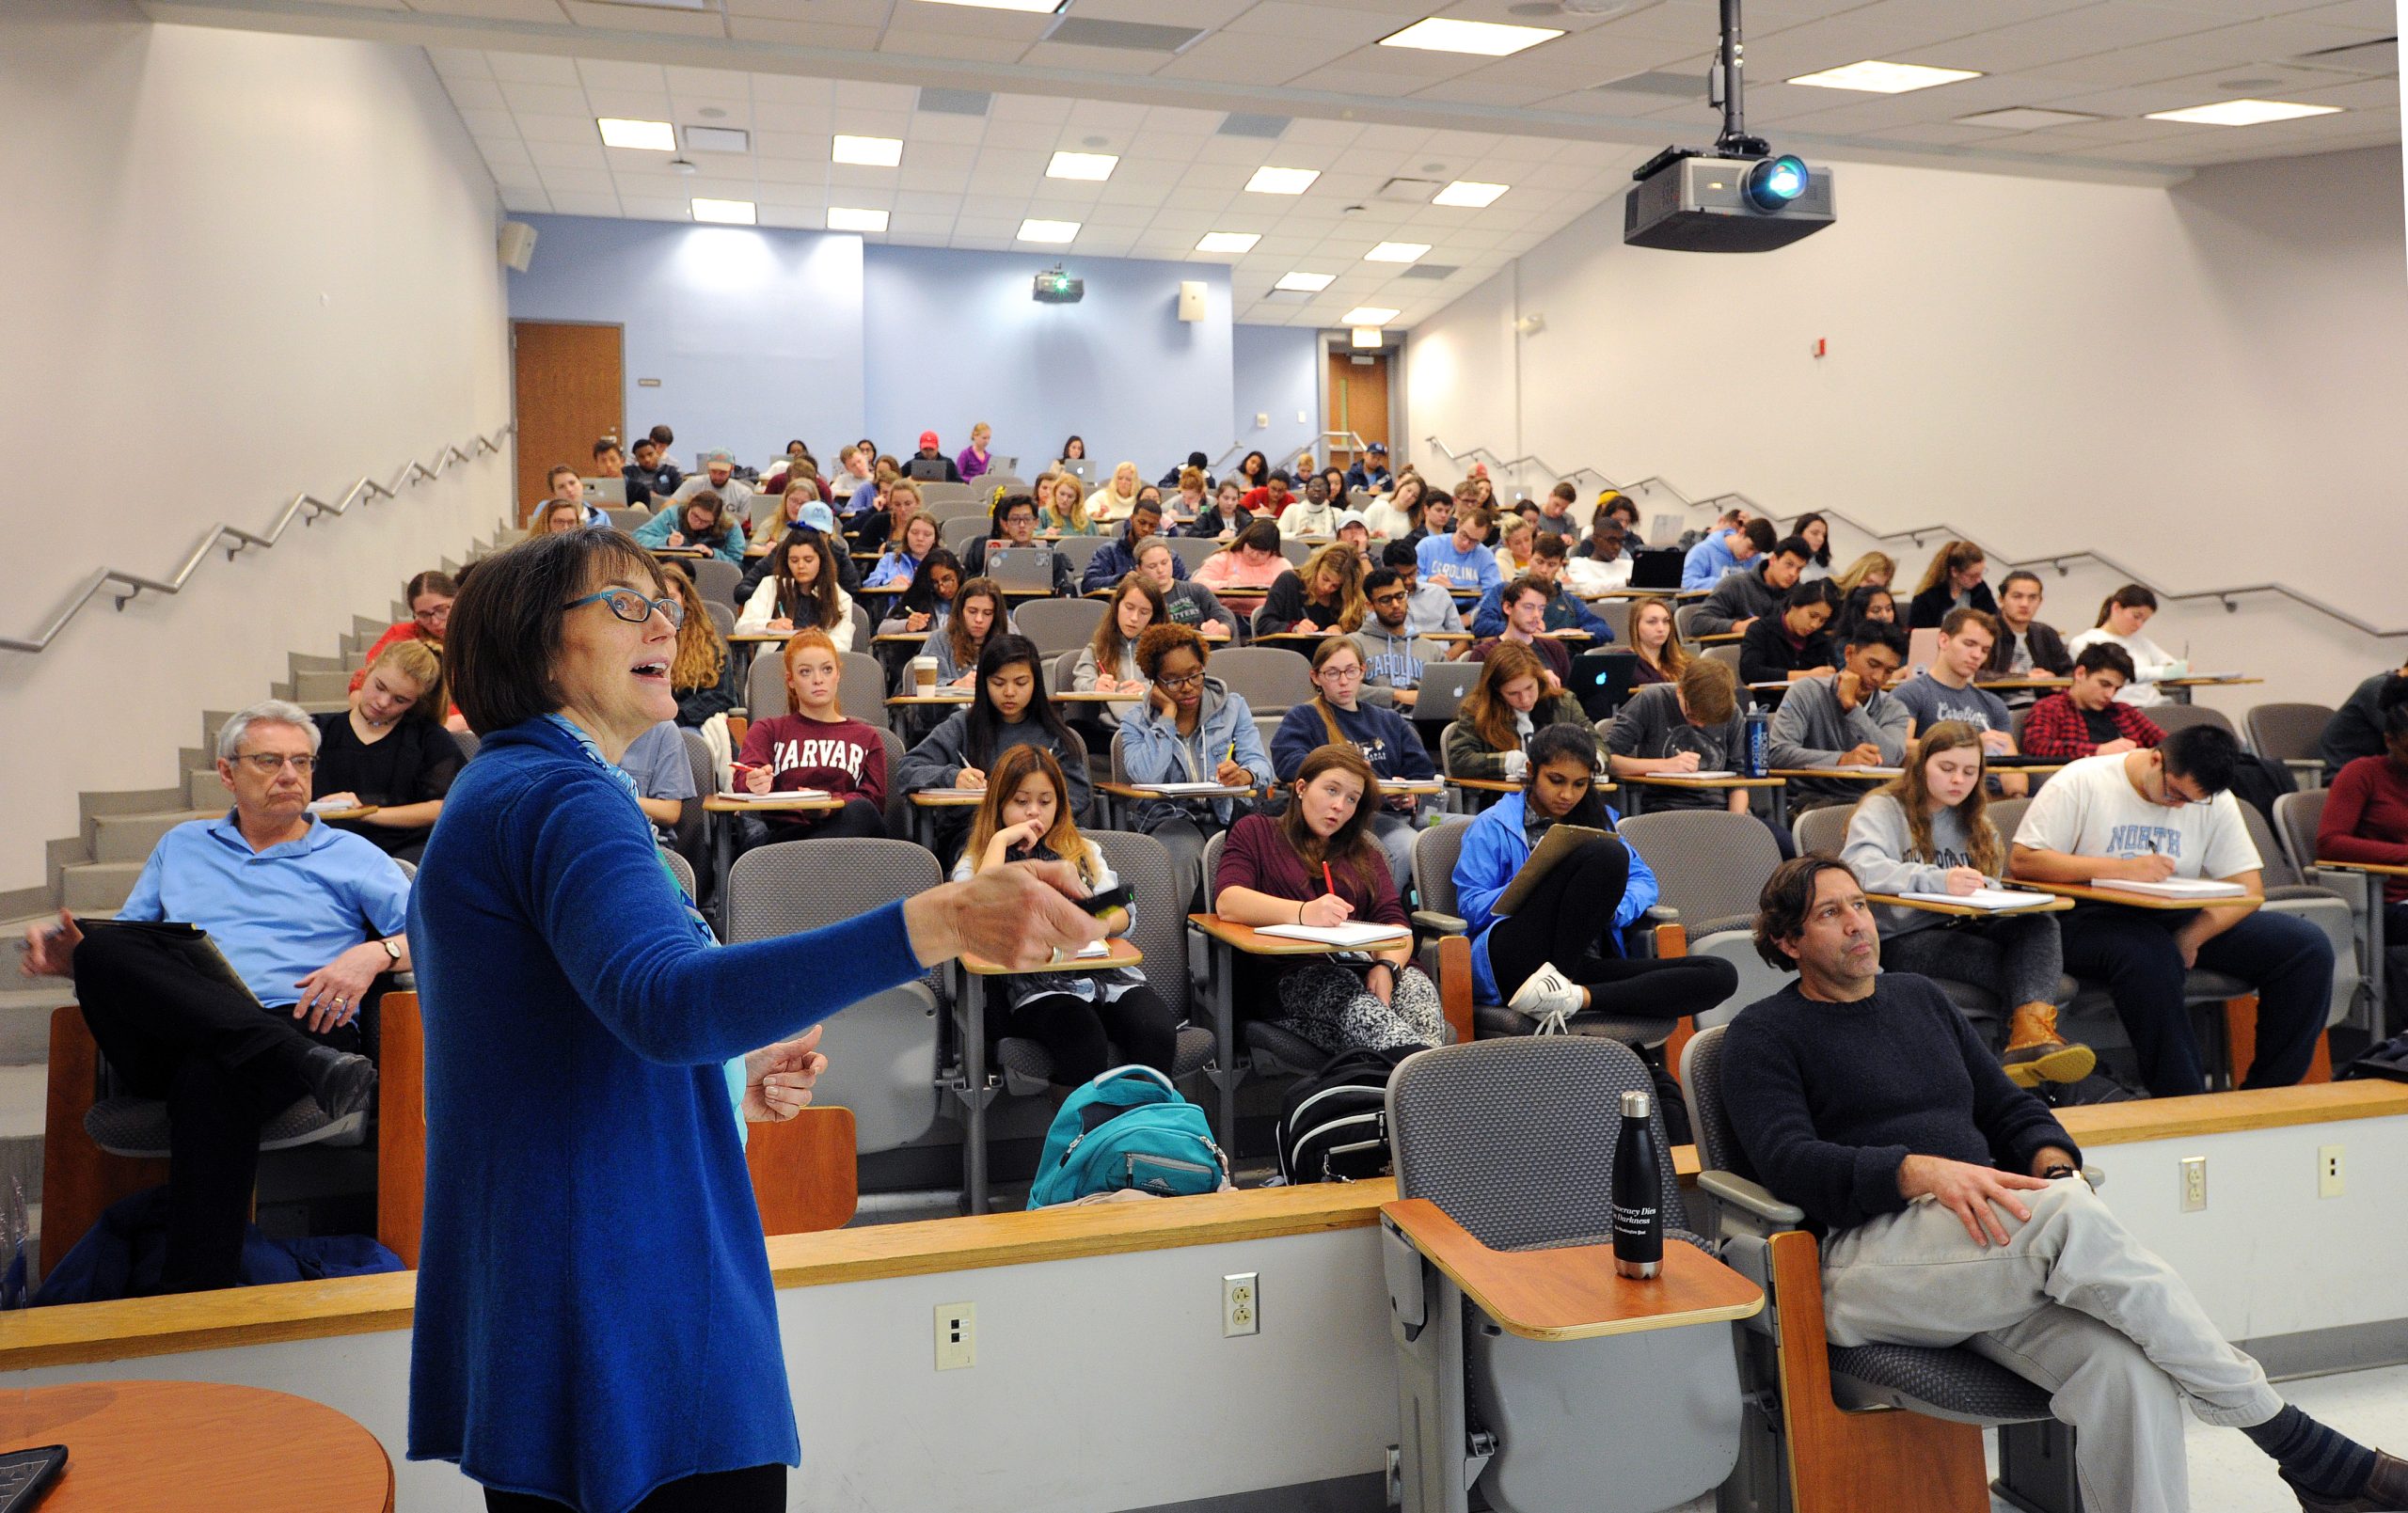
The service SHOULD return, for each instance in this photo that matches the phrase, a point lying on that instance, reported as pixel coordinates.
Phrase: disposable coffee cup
(924, 675)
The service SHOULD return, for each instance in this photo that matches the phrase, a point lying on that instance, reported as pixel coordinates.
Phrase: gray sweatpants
(2072, 1303)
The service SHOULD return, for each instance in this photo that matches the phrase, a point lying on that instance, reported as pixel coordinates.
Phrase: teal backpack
(1128, 1129)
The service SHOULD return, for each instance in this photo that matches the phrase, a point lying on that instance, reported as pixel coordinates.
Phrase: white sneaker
(1548, 996)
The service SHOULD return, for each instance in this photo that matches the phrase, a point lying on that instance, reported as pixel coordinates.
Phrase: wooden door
(569, 390)
(1358, 400)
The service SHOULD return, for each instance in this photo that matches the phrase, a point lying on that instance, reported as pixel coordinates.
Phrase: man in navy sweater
(1955, 1213)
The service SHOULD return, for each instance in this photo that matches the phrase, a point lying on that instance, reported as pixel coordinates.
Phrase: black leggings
(1079, 1035)
(1568, 919)
(753, 1489)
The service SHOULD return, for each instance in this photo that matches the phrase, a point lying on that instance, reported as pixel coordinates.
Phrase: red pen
(1327, 881)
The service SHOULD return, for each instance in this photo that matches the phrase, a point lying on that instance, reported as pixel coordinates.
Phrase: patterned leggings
(1327, 1004)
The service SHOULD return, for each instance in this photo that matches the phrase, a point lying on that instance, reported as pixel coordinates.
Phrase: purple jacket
(970, 464)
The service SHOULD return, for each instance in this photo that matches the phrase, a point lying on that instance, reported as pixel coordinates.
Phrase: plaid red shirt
(2057, 728)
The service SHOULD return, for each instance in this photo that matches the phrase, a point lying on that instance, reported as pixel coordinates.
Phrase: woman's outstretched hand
(1015, 916)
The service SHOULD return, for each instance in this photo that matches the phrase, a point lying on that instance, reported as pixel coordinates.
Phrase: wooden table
(2182, 686)
(198, 1447)
(1223, 938)
(1641, 784)
(2020, 685)
(2085, 893)
(2055, 904)
(1571, 1292)
(972, 1084)
(724, 834)
(926, 802)
(358, 811)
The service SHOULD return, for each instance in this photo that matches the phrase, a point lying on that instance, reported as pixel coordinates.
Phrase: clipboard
(1559, 843)
(189, 942)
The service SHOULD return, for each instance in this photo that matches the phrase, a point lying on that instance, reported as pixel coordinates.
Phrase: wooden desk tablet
(1254, 942)
(679, 551)
(1727, 638)
(1967, 911)
(1095, 696)
(971, 1085)
(2085, 894)
(2207, 682)
(1858, 774)
(1641, 784)
(1571, 1292)
(901, 638)
(1217, 982)
(1296, 637)
(2014, 685)
(730, 804)
(758, 637)
(198, 1447)
(358, 811)
(961, 700)
(926, 802)
(2377, 869)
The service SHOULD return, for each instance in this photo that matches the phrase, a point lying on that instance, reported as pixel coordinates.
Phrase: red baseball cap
(928, 440)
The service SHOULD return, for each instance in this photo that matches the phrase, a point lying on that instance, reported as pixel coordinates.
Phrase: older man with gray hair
(307, 916)
(718, 477)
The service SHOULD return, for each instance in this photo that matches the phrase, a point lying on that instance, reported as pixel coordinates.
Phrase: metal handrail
(1241, 448)
(129, 586)
(1654, 484)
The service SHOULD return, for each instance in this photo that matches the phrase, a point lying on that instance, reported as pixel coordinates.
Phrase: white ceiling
(530, 76)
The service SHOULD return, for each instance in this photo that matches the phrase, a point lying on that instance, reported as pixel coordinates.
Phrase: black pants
(1568, 919)
(224, 1067)
(858, 819)
(1079, 1035)
(753, 1489)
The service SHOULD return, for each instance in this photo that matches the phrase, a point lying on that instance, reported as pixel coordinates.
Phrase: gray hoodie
(1810, 729)
(1881, 853)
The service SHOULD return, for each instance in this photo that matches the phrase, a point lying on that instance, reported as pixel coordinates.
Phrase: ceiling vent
(1290, 296)
(2365, 59)
(1432, 271)
(1128, 35)
(954, 102)
(718, 139)
(1244, 123)
(1408, 191)
(1657, 82)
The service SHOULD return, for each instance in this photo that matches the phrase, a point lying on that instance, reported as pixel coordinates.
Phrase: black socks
(2315, 1459)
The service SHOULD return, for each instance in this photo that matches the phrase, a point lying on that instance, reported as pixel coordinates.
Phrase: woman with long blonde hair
(1111, 503)
(1064, 512)
(1324, 594)
(1876, 568)
(1077, 1017)
(702, 673)
(1929, 831)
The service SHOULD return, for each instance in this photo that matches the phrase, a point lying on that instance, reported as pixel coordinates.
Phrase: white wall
(242, 266)
(2204, 381)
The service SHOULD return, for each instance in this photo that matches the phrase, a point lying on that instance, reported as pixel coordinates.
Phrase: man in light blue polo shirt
(309, 917)
(1458, 560)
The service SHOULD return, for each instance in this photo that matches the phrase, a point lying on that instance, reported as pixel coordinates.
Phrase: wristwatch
(391, 950)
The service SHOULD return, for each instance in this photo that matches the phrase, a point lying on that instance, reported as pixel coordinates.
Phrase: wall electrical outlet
(2328, 1171)
(1262, 420)
(956, 1336)
(2195, 1184)
(1241, 1304)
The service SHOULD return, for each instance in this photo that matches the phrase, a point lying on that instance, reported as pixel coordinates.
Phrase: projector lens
(1776, 181)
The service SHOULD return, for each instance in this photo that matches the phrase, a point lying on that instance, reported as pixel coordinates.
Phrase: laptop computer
(925, 469)
(1443, 687)
(1657, 568)
(1079, 467)
(612, 491)
(1602, 680)
(1021, 568)
(1923, 649)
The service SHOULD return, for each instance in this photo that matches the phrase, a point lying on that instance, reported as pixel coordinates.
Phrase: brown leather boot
(2386, 1491)
(2036, 1054)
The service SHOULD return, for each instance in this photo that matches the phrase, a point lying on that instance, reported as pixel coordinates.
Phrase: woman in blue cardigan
(595, 1328)
(1577, 914)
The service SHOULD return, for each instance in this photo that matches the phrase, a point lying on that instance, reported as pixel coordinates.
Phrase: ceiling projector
(1734, 197)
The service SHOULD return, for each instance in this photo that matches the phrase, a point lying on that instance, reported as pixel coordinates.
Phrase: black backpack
(1334, 1124)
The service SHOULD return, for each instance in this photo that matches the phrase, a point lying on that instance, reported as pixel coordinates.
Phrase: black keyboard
(26, 1476)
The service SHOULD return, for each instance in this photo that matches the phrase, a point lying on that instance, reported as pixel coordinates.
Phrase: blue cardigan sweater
(1495, 847)
(595, 1316)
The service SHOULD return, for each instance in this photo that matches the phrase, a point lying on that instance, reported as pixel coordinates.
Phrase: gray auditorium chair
(883, 1057)
(944, 511)
(1860, 1450)
(2324, 902)
(1434, 852)
(723, 616)
(1710, 864)
(1508, 1137)
(1683, 617)
(957, 532)
(692, 832)
(1824, 831)
(861, 687)
(2297, 818)
(468, 741)
(1059, 625)
(1193, 551)
(1081, 550)
(1296, 552)
(1251, 1046)
(1616, 614)
(1160, 933)
(680, 869)
(1726, 651)
(2172, 717)
(1272, 678)
(627, 517)
(2290, 734)
(715, 578)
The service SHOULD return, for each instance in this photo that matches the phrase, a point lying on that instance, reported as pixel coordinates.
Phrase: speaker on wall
(518, 245)
(1191, 299)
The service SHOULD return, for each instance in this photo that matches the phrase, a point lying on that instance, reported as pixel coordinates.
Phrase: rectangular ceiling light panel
(868, 151)
(1468, 195)
(1303, 283)
(844, 218)
(1483, 38)
(1369, 315)
(1043, 230)
(1396, 252)
(1877, 78)
(2242, 112)
(1268, 180)
(642, 135)
(724, 211)
(1229, 242)
(1092, 166)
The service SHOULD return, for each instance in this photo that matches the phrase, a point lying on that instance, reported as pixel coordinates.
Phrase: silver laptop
(607, 491)
(1443, 687)
(1028, 568)
(1079, 467)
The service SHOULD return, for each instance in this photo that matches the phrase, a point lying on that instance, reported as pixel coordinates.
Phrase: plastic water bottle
(1756, 761)
(1637, 1193)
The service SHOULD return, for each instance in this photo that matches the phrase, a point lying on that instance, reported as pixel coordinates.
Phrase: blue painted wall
(1276, 373)
(953, 338)
(754, 335)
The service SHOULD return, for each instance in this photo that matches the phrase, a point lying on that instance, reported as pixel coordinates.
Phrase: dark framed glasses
(634, 607)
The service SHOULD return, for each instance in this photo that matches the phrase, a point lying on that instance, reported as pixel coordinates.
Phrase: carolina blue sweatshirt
(1495, 847)
(595, 1316)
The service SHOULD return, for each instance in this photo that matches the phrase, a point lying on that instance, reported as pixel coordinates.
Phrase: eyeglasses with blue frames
(634, 607)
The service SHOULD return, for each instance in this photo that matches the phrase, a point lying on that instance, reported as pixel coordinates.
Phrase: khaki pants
(2072, 1303)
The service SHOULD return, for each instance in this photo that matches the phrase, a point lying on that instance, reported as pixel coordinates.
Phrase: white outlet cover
(1302, 419)
(1262, 420)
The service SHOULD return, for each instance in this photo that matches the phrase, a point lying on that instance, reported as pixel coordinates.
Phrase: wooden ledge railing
(366, 1305)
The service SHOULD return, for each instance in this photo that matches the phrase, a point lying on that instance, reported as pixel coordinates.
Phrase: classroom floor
(2230, 1475)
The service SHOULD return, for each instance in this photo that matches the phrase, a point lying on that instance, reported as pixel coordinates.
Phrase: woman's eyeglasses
(634, 607)
(1185, 680)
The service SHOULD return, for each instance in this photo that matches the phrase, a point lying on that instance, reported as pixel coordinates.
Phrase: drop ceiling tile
(853, 177)
(866, 96)
(502, 154)
(2377, 16)
(2099, 28)
(862, 121)
(2359, 95)
(1219, 57)
(937, 126)
(918, 239)
(459, 63)
(571, 130)
(945, 44)
(580, 181)
(1205, 13)
(585, 204)
(656, 210)
(807, 147)
(567, 155)
(787, 171)
(495, 123)
(645, 18)
(992, 207)
(608, 73)
(1013, 167)
(948, 157)
(476, 94)
(1051, 109)
(788, 218)
(1125, 215)
(1286, 23)
(1106, 241)
(803, 34)
(541, 11)
(987, 228)
(1094, 60)
(1135, 189)
(526, 201)
(515, 176)
(545, 99)
(815, 120)
(627, 104)
(1226, 177)
(924, 222)
(532, 68)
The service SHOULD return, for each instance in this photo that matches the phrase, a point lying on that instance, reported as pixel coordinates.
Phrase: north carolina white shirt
(2091, 810)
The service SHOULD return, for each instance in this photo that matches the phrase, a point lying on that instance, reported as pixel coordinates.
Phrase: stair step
(326, 685)
(98, 887)
(129, 837)
(203, 791)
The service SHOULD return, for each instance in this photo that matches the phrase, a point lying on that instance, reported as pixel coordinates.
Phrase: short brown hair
(1956, 620)
(1565, 492)
(554, 476)
(504, 633)
(1781, 909)
(1709, 691)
